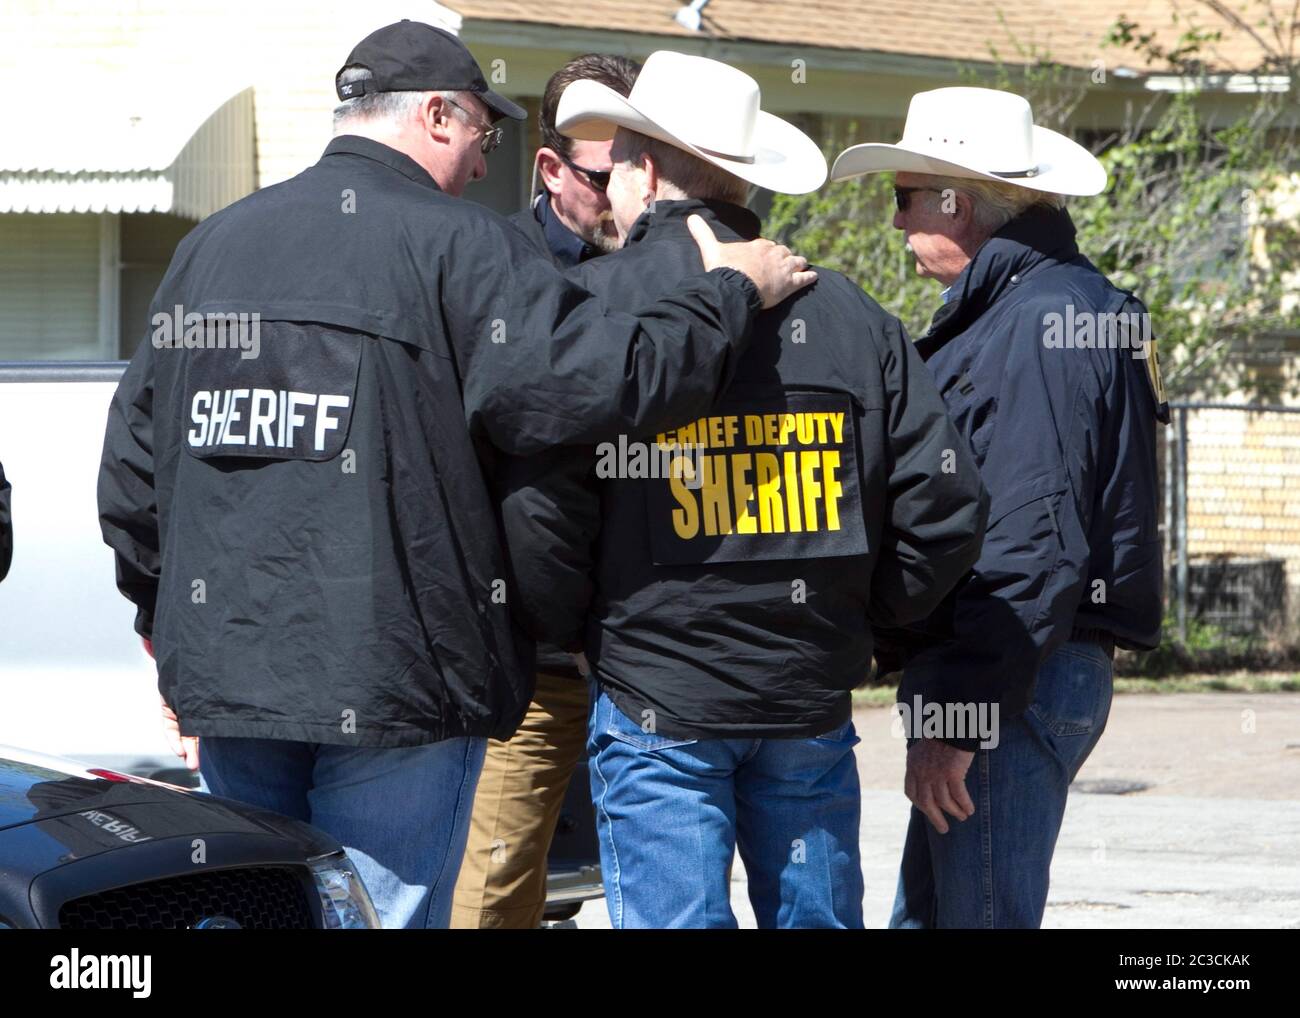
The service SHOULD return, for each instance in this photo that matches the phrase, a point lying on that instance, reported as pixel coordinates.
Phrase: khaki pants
(502, 882)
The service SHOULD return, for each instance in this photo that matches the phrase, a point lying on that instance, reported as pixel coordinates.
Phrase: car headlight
(345, 903)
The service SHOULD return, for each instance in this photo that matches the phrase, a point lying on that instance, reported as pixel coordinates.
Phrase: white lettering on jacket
(272, 415)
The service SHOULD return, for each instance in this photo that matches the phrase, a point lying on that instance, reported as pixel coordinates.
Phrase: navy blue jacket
(539, 223)
(1064, 435)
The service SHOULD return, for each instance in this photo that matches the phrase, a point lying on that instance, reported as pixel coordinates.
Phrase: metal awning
(150, 153)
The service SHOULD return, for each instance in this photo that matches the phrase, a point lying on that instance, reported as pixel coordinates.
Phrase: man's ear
(968, 233)
(434, 117)
(548, 168)
(649, 179)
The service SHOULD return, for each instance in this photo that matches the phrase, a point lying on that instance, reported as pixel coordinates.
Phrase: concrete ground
(1187, 815)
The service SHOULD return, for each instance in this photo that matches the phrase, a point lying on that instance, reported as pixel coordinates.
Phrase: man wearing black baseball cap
(307, 533)
(411, 56)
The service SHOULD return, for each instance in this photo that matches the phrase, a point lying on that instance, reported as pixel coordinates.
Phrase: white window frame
(110, 285)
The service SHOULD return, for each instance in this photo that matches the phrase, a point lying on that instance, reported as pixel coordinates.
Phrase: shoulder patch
(1156, 381)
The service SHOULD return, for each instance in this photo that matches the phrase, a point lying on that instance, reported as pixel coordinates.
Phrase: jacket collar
(1033, 239)
(355, 145)
(731, 222)
(568, 248)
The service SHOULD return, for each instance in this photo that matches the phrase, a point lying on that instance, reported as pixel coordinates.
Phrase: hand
(936, 781)
(184, 746)
(775, 270)
(584, 666)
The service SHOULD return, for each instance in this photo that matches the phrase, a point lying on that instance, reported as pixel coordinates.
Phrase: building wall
(1243, 488)
(50, 293)
(289, 51)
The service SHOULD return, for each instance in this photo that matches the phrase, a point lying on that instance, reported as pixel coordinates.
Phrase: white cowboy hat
(704, 107)
(981, 134)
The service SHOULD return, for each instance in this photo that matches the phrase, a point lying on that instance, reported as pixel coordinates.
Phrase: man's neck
(398, 141)
(676, 211)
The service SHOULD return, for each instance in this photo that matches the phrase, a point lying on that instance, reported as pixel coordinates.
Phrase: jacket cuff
(736, 277)
(925, 694)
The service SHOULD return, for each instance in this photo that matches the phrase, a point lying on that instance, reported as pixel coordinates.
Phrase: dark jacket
(741, 606)
(566, 249)
(549, 236)
(325, 563)
(6, 525)
(1065, 441)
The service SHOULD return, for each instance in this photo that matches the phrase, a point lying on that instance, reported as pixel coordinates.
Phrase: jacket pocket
(1026, 543)
(973, 414)
(1048, 487)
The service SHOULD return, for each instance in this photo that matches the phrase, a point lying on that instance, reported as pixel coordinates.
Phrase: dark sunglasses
(491, 135)
(599, 179)
(903, 195)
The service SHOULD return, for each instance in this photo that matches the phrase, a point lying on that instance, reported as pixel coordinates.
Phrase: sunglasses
(903, 196)
(599, 179)
(491, 135)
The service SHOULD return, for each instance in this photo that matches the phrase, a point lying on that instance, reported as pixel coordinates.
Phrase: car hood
(86, 812)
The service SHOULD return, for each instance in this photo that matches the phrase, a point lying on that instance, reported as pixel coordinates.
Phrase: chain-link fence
(1231, 488)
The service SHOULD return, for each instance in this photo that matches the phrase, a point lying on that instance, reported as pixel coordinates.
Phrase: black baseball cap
(411, 56)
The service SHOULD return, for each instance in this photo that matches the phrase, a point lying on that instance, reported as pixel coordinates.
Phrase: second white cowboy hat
(704, 107)
(983, 134)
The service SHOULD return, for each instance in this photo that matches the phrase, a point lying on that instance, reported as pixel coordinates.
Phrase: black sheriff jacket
(303, 519)
(826, 490)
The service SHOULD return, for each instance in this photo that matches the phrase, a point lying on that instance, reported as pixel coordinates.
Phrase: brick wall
(1243, 488)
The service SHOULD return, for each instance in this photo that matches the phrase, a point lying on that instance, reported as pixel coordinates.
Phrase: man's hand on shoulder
(774, 268)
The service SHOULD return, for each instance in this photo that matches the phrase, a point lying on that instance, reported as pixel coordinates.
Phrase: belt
(1101, 637)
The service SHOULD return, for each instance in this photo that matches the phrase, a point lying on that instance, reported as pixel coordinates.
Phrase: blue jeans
(401, 814)
(670, 814)
(991, 871)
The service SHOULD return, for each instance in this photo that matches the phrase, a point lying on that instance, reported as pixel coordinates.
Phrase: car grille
(260, 898)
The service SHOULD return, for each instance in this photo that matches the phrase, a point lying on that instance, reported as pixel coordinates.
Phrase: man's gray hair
(686, 175)
(994, 203)
(393, 106)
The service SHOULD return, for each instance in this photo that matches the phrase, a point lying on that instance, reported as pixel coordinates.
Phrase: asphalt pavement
(1186, 816)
